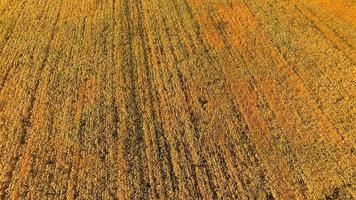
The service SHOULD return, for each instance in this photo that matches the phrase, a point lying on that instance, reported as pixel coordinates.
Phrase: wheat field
(180, 99)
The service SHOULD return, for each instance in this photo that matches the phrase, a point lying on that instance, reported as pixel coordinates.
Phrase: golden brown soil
(181, 99)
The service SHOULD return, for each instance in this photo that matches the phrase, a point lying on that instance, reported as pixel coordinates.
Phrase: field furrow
(182, 99)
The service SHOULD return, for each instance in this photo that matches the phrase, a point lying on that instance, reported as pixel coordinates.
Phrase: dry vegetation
(181, 99)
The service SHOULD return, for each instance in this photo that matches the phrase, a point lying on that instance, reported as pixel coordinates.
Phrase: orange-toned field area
(177, 99)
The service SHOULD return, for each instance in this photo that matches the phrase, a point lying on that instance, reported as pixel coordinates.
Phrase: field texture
(177, 99)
